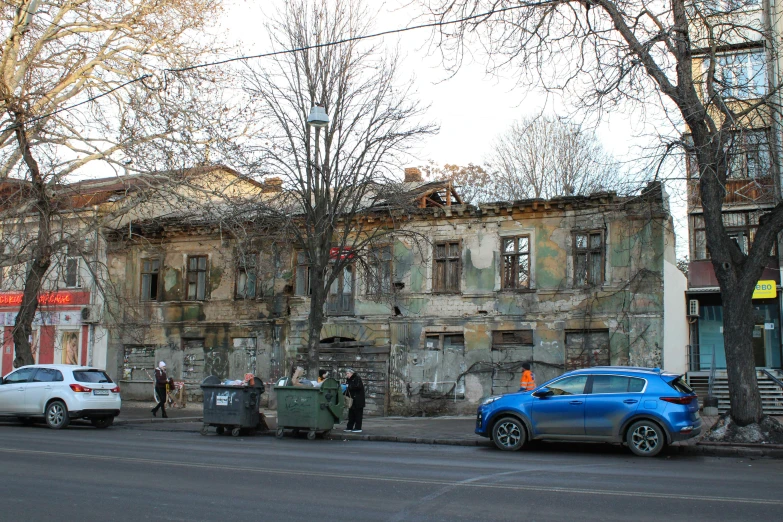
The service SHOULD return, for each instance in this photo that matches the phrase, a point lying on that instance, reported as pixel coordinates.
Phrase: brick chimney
(273, 185)
(412, 174)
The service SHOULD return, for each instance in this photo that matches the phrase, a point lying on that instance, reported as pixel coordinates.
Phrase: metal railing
(702, 358)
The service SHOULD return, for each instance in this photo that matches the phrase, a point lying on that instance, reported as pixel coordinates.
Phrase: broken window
(197, 278)
(516, 262)
(150, 271)
(588, 258)
(379, 271)
(247, 271)
(302, 274)
(502, 339)
(447, 267)
(587, 348)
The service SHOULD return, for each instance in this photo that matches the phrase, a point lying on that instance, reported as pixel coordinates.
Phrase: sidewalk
(455, 431)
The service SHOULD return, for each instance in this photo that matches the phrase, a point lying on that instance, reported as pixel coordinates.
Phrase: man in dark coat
(355, 390)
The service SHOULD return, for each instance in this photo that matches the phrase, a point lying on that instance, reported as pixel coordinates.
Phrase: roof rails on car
(639, 368)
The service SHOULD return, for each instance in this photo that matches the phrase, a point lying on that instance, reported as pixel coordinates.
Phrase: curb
(118, 422)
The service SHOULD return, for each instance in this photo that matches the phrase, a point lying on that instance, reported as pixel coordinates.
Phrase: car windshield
(680, 385)
(94, 376)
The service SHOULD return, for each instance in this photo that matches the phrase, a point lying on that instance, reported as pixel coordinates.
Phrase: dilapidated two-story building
(460, 297)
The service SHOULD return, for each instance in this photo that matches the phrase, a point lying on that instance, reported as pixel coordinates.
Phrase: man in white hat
(160, 389)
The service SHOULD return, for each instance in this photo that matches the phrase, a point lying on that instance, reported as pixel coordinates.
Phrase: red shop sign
(341, 253)
(51, 298)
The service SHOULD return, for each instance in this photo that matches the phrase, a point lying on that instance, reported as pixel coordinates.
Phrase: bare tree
(81, 83)
(474, 184)
(686, 60)
(545, 157)
(335, 177)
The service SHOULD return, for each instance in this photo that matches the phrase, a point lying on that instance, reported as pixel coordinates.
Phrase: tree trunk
(42, 254)
(316, 319)
(23, 326)
(738, 324)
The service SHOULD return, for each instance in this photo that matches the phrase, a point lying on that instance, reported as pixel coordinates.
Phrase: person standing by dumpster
(161, 379)
(355, 390)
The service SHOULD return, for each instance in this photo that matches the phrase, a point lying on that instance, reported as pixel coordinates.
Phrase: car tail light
(80, 389)
(679, 400)
(116, 389)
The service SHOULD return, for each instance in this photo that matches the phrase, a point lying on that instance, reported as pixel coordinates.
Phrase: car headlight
(490, 400)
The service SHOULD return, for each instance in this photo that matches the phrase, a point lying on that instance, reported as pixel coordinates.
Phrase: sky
(471, 107)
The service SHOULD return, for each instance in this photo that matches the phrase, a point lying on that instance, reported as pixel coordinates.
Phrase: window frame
(753, 88)
(589, 252)
(584, 389)
(301, 263)
(374, 284)
(242, 267)
(504, 279)
(152, 272)
(333, 298)
(190, 272)
(75, 261)
(440, 286)
(591, 384)
(746, 231)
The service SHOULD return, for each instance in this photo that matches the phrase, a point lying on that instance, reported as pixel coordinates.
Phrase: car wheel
(57, 415)
(645, 438)
(102, 422)
(509, 434)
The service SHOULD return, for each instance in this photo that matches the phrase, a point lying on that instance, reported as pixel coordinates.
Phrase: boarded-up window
(587, 348)
(516, 262)
(447, 269)
(445, 341)
(302, 274)
(197, 278)
(502, 339)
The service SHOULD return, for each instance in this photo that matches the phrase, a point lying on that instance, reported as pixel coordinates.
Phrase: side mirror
(543, 392)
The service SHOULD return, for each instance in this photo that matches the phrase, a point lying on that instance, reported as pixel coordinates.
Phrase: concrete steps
(771, 392)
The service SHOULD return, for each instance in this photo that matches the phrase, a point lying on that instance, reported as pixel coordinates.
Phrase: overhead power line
(484, 15)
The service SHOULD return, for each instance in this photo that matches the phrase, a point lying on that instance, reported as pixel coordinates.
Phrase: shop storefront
(59, 334)
(709, 329)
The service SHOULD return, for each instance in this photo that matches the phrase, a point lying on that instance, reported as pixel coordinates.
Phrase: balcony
(745, 191)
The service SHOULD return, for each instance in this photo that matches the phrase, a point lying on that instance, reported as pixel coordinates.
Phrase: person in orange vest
(528, 381)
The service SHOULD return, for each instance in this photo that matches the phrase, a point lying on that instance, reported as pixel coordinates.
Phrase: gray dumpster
(231, 407)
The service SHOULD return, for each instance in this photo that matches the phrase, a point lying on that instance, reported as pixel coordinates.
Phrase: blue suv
(642, 407)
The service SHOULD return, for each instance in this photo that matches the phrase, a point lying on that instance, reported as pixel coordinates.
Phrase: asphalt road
(129, 474)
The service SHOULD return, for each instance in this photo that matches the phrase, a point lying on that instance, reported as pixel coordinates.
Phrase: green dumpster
(312, 409)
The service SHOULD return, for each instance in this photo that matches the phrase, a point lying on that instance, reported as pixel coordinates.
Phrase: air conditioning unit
(693, 308)
(90, 315)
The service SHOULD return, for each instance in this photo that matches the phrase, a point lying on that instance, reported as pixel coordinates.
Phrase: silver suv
(58, 393)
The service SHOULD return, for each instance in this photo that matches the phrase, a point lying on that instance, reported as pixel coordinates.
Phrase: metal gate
(371, 363)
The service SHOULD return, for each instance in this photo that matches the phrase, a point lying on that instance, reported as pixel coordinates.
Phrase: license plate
(100, 392)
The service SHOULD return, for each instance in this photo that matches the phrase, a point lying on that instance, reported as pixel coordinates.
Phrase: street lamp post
(317, 118)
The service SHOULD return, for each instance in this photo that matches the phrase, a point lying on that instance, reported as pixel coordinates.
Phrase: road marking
(375, 478)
